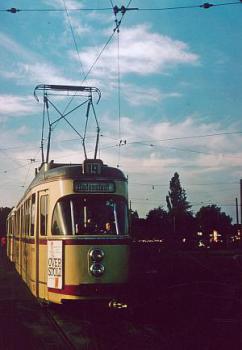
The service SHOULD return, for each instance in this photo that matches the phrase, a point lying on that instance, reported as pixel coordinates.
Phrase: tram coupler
(117, 304)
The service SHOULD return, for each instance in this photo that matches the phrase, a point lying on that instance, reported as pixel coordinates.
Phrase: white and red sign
(55, 264)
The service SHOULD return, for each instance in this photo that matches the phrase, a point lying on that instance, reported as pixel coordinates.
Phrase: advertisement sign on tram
(55, 264)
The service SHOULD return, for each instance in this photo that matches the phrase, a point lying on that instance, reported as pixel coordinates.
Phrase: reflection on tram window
(97, 215)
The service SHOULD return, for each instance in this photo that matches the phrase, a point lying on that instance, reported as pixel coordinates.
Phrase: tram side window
(10, 226)
(17, 222)
(26, 218)
(32, 215)
(22, 221)
(23, 218)
(28, 208)
(43, 215)
(61, 221)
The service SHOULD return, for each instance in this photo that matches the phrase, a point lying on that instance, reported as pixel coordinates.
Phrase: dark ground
(195, 296)
(177, 300)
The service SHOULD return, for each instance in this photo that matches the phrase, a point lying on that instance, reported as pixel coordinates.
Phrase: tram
(68, 237)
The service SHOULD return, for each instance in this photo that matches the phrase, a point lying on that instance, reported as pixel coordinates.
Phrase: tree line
(179, 226)
(4, 211)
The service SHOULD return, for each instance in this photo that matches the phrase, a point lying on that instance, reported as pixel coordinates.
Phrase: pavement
(23, 323)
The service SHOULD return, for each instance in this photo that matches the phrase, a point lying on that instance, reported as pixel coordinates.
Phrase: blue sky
(180, 83)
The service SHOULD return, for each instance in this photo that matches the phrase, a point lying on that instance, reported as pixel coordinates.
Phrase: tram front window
(97, 215)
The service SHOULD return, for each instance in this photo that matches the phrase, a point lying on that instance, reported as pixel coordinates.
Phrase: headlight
(97, 270)
(96, 254)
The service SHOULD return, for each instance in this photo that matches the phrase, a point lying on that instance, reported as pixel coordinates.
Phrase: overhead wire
(119, 93)
(116, 29)
(15, 10)
(190, 184)
(16, 147)
(111, 2)
(103, 49)
(118, 23)
(173, 148)
(167, 139)
(97, 58)
(73, 36)
(32, 161)
(205, 5)
(118, 74)
(6, 154)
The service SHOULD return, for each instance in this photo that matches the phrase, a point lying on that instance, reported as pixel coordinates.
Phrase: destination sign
(94, 187)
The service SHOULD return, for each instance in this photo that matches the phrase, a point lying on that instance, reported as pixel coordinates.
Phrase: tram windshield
(76, 215)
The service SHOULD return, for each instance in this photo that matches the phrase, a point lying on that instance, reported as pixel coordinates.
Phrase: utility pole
(241, 203)
(237, 211)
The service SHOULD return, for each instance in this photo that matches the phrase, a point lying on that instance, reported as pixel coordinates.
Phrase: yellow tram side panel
(10, 243)
(23, 267)
(31, 267)
(17, 254)
(42, 281)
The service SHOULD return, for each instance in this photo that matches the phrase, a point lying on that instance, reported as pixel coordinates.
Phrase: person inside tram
(90, 226)
(108, 228)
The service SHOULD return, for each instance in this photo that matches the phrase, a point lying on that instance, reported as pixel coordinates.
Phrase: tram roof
(53, 170)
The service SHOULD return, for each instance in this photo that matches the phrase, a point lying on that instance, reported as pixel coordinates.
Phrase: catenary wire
(205, 5)
(168, 139)
(118, 23)
(73, 37)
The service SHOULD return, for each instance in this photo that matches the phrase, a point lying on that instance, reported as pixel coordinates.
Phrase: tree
(137, 225)
(177, 200)
(158, 223)
(3, 217)
(134, 218)
(211, 218)
(133, 214)
(181, 217)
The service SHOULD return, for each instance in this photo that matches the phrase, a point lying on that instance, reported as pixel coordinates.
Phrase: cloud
(70, 4)
(78, 28)
(149, 142)
(42, 73)
(29, 68)
(14, 106)
(143, 96)
(141, 52)
(9, 45)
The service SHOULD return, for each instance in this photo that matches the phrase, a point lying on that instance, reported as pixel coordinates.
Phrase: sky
(170, 83)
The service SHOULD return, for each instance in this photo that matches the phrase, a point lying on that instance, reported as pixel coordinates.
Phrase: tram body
(69, 235)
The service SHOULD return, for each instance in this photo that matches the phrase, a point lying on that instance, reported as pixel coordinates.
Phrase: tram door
(41, 244)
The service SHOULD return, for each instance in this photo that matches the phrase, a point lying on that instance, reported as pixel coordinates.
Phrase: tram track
(93, 328)
(76, 331)
(68, 344)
